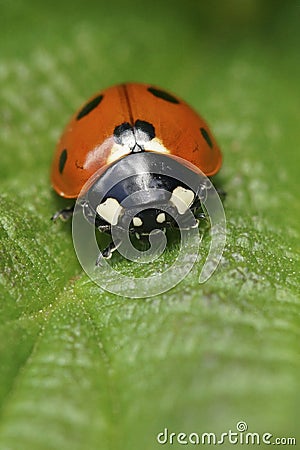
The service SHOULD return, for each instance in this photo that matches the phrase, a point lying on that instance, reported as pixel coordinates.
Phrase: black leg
(202, 219)
(107, 252)
(63, 214)
(104, 228)
(200, 215)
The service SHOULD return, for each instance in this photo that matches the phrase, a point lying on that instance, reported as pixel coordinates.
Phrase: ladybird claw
(64, 214)
(107, 252)
(201, 216)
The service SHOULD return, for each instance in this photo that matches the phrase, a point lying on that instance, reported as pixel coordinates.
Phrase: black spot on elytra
(206, 136)
(146, 127)
(119, 130)
(89, 107)
(62, 160)
(163, 95)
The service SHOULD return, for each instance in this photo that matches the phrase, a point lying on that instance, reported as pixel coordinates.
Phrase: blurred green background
(84, 369)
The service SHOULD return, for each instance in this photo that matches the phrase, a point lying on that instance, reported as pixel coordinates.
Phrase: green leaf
(83, 369)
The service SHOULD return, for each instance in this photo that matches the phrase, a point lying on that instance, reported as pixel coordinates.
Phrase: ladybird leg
(202, 218)
(200, 215)
(107, 252)
(63, 214)
(104, 228)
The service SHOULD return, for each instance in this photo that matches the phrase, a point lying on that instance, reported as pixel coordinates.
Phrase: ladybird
(118, 132)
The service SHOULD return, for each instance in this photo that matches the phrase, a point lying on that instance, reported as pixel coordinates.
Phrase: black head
(141, 193)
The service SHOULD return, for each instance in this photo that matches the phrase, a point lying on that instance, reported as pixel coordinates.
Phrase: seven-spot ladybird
(122, 130)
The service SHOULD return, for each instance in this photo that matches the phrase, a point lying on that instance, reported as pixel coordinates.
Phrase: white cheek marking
(161, 218)
(137, 222)
(109, 151)
(182, 198)
(110, 210)
(117, 152)
(155, 145)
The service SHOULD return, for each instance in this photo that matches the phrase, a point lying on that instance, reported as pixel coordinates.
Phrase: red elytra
(89, 140)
